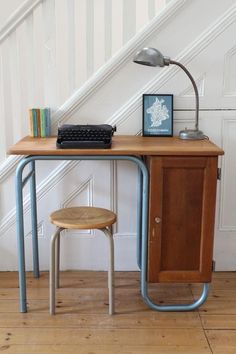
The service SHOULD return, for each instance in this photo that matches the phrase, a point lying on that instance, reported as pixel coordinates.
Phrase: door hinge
(219, 174)
(213, 265)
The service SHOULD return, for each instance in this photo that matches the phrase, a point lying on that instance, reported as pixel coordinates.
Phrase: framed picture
(157, 115)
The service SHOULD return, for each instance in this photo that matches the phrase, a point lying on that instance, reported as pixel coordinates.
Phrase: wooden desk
(121, 145)
(175, 240)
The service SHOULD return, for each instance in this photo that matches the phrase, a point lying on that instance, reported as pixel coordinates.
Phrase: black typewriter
(72, 136)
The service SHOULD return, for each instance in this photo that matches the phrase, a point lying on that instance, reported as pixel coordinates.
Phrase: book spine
(42, 123)
(31, 123)
(35, 130)
(47, 121)
(38, 122)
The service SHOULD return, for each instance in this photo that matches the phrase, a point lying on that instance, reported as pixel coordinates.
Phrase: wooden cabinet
(181, 218)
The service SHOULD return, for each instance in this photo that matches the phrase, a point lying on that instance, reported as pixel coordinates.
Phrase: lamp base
(191, 134)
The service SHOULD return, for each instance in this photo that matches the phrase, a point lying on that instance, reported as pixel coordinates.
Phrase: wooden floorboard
(222, 341)
(103, 349)
(121, 321)
(82, 324)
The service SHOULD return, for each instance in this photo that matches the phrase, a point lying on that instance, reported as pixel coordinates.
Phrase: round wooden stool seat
(83, 218)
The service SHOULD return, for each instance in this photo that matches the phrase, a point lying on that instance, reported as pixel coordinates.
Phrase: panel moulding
(229, 87)
(88, 186)
(40, 228)
(124, 234)
(18, 17)
(8, 167)
(189, 92)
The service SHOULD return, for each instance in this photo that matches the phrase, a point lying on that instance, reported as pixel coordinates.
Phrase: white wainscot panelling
(126, 197)
(82, 183)
(8, 258)
(228, 190)
(210, 123)
(81, 195)
(5, 202)
(131, 123)
(83, 250)
(46, 168)
(225, 230)
(224, 251)
(182, 119)
(80, 253)
(8, 249)
(88, 183)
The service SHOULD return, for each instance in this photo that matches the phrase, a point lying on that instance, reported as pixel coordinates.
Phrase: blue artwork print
(157, 112)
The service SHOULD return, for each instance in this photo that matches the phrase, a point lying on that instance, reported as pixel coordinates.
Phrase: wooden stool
(80, 218)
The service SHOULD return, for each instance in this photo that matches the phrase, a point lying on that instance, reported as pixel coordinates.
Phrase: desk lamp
(152, 57)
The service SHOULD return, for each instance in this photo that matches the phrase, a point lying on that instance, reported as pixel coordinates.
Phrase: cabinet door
(181, 218)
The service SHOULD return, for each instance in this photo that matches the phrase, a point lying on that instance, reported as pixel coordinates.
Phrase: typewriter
(72, 136)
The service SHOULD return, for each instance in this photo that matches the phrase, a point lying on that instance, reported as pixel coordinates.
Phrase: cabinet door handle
(157, 220)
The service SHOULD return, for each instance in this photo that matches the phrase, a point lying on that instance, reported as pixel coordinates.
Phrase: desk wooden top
(121, 145)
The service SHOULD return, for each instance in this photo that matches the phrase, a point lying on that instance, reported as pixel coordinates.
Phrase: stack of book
(40, 122)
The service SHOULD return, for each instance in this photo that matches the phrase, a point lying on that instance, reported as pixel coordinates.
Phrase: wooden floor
(82, 324)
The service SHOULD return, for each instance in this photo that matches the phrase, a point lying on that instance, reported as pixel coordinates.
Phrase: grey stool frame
(55, 268)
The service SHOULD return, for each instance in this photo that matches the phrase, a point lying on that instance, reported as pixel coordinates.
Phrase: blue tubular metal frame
(139, 217)
(34, 221)
(142, 236)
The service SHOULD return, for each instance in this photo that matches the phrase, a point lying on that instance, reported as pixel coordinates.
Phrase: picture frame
(157, 115)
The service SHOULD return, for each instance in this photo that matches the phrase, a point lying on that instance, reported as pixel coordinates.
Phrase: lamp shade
(151, 57)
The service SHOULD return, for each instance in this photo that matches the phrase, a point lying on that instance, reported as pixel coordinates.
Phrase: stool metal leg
(52, 275)
(108, 232)
(57, 262)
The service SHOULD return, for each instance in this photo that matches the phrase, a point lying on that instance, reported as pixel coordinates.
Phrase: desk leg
(139, 217)
(34, 222)
(20, 238)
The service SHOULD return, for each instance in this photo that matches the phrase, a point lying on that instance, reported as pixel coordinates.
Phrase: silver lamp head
(152, 57)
